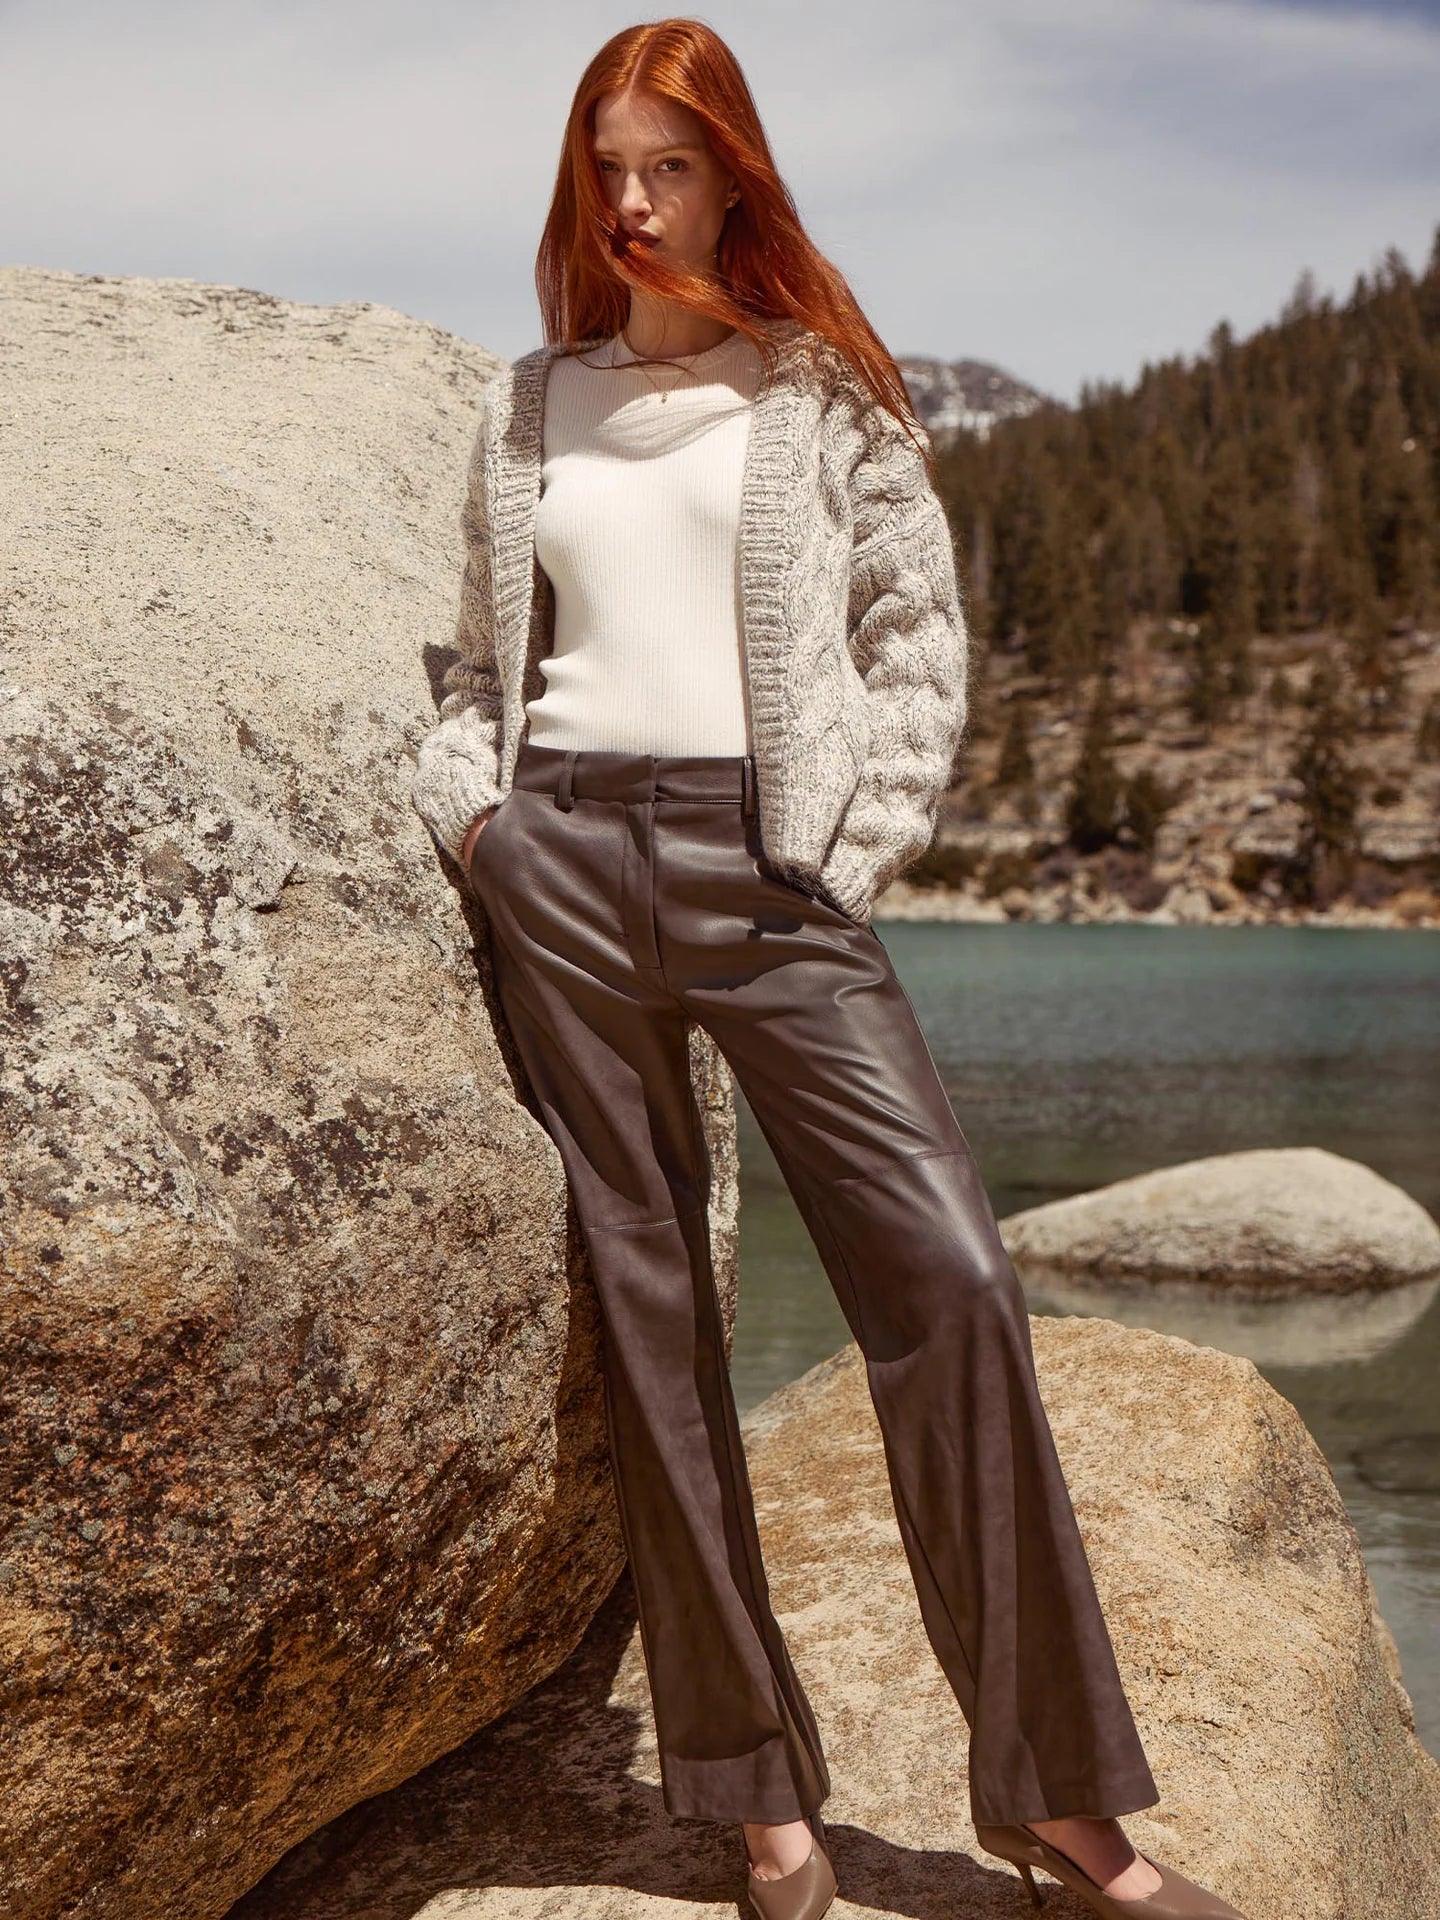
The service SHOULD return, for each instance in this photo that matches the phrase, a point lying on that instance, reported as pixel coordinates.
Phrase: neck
(658, 330)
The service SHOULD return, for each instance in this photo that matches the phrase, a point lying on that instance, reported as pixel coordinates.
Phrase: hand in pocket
(473, 833)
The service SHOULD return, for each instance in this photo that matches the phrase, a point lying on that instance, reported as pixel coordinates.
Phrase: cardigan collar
(516, 455)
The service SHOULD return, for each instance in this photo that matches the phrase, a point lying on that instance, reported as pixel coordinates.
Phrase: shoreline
(1185, 906)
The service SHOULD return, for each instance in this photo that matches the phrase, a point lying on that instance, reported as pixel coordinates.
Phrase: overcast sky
(1064, 187)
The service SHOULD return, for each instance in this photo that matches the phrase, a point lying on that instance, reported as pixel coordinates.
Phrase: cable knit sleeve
(909, 640)
(456, 768)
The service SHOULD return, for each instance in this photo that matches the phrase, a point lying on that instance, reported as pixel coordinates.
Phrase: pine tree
(1346, 571)
(1145, 803)
(1275, 697)
(1399, 506)
(1092, 812)
(1226, 568)
(1015, 766)
(1330, 796)
(1205, 690)
(1376, 670)
(1274, 470)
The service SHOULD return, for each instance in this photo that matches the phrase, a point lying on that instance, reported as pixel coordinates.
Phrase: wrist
(472, 833)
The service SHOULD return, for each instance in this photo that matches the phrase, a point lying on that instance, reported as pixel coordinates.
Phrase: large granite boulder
(1270, 1220)
(304, 1453)
(1264, 1684)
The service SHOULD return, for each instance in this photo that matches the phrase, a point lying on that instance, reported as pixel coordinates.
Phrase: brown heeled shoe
(1176, 1898)
(804, 1894)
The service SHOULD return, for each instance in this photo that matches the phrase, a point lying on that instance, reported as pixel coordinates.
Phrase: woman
(710, 690)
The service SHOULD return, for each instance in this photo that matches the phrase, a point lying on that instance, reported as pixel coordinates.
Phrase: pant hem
(1067, 1802)
(767, 1816)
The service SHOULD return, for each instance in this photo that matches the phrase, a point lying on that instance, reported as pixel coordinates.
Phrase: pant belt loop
(748, 785)
(565, 792)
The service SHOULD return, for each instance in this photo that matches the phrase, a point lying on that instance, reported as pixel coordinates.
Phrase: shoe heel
(1028, 1877)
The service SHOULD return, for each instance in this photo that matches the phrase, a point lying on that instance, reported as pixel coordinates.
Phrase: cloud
(1065, 191)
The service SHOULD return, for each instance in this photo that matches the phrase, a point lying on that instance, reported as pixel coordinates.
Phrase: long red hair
(767, 265)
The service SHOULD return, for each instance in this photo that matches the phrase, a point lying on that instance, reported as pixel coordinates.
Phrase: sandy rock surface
(1264, 1686)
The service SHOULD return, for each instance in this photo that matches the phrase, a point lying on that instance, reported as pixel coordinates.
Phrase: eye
(673, 161)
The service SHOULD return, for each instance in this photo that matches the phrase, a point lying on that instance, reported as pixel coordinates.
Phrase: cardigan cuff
(449, 807)
(849, 879)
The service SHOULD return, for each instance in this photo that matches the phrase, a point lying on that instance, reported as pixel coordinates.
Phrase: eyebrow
(675, 146)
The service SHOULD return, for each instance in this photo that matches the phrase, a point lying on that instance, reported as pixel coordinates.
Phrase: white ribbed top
(637, 529)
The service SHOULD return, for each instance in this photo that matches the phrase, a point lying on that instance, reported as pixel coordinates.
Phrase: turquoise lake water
(1075, 1056)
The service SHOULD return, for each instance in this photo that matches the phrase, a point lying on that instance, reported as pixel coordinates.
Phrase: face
(660, 177)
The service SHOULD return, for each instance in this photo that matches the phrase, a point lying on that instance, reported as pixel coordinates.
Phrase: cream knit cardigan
(856, 646)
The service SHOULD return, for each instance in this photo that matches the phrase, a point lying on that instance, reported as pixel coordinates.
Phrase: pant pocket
(476, 867)
(815, 895)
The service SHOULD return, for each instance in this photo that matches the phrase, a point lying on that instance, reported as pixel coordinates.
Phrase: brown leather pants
(628, 895)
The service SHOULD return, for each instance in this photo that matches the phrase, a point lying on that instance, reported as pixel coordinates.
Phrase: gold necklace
(664, 392)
